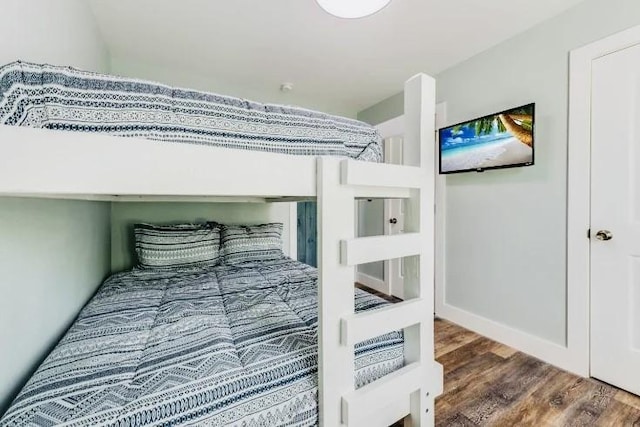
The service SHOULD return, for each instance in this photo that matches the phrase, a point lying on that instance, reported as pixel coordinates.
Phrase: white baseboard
(544, 350)
(372, 282)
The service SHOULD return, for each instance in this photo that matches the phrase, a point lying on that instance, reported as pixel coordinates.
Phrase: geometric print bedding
(245, 243)
(226, 345)
(64, 98)
(180, 245)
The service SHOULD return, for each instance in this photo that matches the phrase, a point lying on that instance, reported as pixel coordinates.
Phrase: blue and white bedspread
(229, 345)
(45, 96)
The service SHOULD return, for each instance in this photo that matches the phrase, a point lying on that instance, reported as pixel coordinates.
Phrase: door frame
(395, 127)
(395, 287)
(579, 194)
(389, 129)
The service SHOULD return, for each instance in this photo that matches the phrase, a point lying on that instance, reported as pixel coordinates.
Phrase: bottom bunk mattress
(228, 345)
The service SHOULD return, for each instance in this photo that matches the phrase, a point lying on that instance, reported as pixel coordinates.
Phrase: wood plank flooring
(489, 384)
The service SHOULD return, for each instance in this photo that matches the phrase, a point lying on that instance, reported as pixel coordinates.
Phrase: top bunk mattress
(64, 98)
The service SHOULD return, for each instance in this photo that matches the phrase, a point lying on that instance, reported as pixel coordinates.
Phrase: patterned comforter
(64, 98)
(228, 345)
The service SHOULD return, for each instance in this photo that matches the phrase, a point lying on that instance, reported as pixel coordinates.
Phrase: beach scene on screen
(500, 140)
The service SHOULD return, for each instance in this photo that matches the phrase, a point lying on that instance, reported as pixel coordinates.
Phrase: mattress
(228, 345)
(63, 98)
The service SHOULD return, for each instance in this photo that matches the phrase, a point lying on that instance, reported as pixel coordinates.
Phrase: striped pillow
(171, 246)
(244, 243)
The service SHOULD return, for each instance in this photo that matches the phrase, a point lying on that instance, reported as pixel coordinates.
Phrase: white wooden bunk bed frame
(45, 164)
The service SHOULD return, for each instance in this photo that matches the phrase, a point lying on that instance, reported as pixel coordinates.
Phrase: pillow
(243, 243)
(184, 245)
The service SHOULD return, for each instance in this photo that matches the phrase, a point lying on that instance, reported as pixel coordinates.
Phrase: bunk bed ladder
(410, 391)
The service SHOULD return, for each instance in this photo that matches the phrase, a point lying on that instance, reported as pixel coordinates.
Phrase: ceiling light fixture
(352, 8)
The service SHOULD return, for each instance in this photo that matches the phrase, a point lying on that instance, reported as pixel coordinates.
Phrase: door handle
(393, 220)
(604, 235)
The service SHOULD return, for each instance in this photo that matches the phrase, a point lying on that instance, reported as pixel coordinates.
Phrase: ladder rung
(393, 411)
(363, 250)
(371, 400)
(382, 175)
(362, 326)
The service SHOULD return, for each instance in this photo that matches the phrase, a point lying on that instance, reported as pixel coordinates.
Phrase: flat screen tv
(501, 140)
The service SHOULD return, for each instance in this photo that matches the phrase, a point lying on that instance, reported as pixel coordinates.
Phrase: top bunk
(62, 129)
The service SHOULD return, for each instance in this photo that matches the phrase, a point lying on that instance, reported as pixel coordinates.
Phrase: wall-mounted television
(500, 140)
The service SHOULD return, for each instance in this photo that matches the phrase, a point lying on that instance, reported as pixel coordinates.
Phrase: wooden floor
(489, 384)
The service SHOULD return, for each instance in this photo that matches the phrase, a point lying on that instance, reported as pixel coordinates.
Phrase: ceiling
(250, 47)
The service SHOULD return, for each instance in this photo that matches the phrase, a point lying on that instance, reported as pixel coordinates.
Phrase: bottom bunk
(224, 345)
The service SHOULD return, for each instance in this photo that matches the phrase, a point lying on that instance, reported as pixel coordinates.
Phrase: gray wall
(386, 109)
(53, 253)
(53, 256)
(60, 32)
(124, 215)
(506, 230)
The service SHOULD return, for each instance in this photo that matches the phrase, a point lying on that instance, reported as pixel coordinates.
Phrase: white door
(615, 220)
(394, 220)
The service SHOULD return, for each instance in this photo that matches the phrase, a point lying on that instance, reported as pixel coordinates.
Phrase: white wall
(506, 230)
(178, 75)
(53, 253)
(59, 32)
(125, 215)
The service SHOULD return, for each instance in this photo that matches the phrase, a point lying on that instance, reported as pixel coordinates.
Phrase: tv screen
(500, 140)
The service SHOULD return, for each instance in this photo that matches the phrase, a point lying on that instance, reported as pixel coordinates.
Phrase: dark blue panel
(307, 233)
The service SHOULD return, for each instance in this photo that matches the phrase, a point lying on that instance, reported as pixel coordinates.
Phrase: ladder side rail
(419, 151)
(336, 222)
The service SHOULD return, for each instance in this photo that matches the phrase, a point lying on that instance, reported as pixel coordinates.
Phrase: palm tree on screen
(518, 122)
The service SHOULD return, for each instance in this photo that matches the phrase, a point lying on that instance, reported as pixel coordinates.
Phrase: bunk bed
(64, 139)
